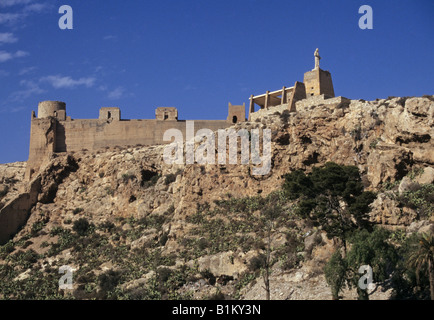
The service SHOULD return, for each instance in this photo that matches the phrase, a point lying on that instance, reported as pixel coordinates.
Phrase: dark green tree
(333, 197)
(372, 249)
(422, 258)
(335, 273)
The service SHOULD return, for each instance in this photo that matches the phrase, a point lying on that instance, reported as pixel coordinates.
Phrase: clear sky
(198, 55)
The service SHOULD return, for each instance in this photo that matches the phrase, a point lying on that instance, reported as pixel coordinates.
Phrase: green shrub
(6, 249)
(82, 227)
(56, 231)
(107, 226)
(37, 226)
(421, 200)
(77, 211)
(127, 177)
(109, 280)
(109, 191)
(257, 263)
(202, 244)
(374, 143)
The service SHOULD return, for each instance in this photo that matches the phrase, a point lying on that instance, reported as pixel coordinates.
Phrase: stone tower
(236, 113)
(43, 134)
(56, 109)
(318, 81)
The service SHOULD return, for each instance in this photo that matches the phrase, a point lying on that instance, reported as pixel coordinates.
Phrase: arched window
(234, 119)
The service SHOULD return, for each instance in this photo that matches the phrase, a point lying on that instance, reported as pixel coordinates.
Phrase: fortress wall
(266, 112)
(95, 135)
(92, 135)
(42, 143)
(49, 135)
(319, 100)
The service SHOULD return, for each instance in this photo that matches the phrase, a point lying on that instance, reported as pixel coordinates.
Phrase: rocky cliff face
(11, 181)
(128, 222)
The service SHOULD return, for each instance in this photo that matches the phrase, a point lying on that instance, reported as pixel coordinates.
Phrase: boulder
(407, 185)
(423, 226)
(421, 107)
(386, 211)
(427, 176)
(225, 263)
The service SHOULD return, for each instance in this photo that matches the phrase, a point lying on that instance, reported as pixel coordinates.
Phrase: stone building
(316, 82)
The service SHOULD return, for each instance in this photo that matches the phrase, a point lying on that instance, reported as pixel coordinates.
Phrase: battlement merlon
(166, 113)
(110, 114)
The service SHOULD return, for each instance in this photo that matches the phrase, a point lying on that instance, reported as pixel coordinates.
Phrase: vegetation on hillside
(124, 258)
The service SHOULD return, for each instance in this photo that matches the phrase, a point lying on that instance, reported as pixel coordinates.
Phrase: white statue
(317, 58)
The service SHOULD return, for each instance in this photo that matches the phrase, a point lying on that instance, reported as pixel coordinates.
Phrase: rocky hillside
(133, 227)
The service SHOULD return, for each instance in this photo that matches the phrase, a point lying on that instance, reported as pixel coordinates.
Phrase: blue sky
(198, 55)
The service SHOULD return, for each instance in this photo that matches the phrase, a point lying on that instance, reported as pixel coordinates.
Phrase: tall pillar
(283, 100)
(267, 95)
(251, 106)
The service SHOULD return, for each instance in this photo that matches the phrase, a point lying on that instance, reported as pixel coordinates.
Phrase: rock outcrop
(387, 139)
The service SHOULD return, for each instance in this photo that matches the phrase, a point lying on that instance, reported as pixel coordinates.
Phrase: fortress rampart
(52, 131)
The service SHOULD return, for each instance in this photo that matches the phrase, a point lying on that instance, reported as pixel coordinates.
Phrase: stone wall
(94, 135)
(265, 112)
(319, 100)
(43, 140)
(49, 135)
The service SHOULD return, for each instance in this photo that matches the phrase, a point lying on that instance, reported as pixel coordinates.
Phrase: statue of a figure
(317, 58)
